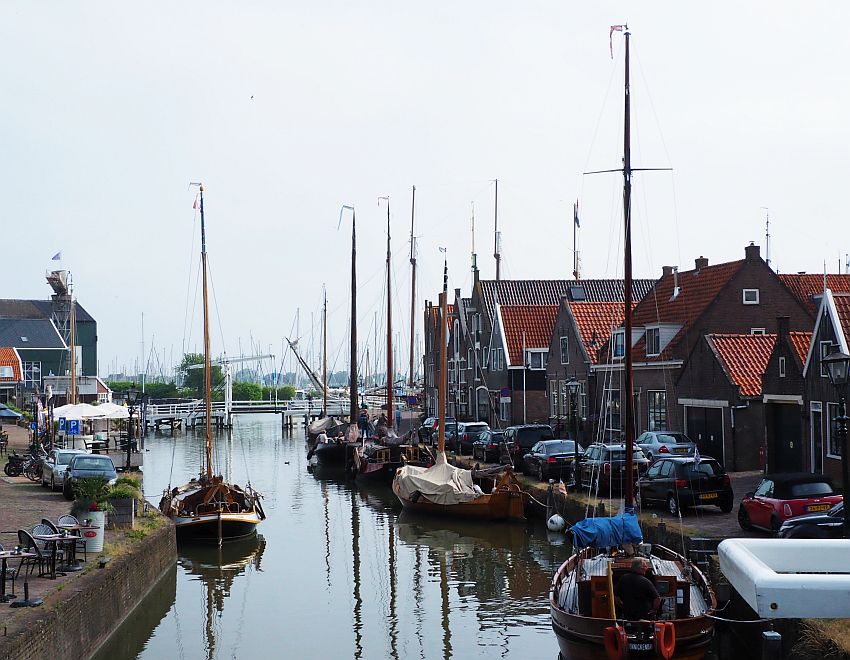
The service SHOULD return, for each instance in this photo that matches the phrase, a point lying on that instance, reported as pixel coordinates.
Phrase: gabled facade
(431, 354)
(11, 375)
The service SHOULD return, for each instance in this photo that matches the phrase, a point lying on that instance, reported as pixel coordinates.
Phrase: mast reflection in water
(344, 573)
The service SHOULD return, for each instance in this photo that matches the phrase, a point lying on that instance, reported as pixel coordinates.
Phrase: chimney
(701, 263)
(666, 270)
(782, 327)
(752, 252)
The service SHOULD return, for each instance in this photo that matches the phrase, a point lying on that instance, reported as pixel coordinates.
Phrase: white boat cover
(441, 483)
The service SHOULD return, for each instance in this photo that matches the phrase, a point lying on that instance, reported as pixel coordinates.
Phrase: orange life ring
(665, 639)
(616, 643)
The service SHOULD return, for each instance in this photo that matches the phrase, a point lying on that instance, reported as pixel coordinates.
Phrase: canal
(337, 570)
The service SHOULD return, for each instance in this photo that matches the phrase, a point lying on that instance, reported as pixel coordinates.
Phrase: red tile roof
(806, 287)
(744, 358)
(536, 321)
(9, 358)
(800, 341)
(842, 307)
(595, 322)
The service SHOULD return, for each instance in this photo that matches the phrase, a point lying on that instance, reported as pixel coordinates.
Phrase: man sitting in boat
(637, 597)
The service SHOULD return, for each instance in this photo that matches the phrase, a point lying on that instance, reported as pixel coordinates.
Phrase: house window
(817, 436)
(498, 356)
(834, 447)
(32, 374)
(486, 357)
(612, 415)
(751, 296)
(782, 367)
(825, 350)
(757, 331)
(537, 359)
(470, 359)
(653, 341)
(657, 405)
(619, 343)
(505, 409)
(461, 371)
(553, 398)
(6, 372)
(565, 350)
(456, 334)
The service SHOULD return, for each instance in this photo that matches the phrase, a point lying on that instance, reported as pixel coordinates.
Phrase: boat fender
(616, 643)
(556, 523)
(665, 639)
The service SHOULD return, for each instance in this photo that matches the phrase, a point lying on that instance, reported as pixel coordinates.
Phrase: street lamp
(132, 398)
(573, 386)
(837, 366)
(33, 397)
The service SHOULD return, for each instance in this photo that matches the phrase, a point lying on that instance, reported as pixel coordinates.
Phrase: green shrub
(133, 482)
(123, 492)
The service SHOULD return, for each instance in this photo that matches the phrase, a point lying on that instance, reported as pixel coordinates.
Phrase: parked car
(428, 431)
(783, 496)
(489, 446)
(658, 443)
(467, 433)
(821, 525)
(604, 465)
(679, 482)
(523, 437)
(87, 465)
(551, 459)
(53, 466)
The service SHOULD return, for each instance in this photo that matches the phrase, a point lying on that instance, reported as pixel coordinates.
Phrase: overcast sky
(288, 110)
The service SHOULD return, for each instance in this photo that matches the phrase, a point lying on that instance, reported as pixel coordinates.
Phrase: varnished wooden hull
(502, 505)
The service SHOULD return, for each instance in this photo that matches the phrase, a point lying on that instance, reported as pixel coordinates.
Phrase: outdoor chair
(48, 547)
(68, 519)
(45, 521)
(28, 544)
(4, 442)
(11, 572)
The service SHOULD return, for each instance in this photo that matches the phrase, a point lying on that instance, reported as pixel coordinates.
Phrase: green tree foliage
(284, 393)
(193, 379)
(247, 392)
(153, 390)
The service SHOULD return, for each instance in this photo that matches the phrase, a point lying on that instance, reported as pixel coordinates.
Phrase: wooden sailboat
(208, 508)
(581, 600)
(447, 490)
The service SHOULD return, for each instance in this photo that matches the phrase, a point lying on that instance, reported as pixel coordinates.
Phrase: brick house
(431, 354)
(739, 297)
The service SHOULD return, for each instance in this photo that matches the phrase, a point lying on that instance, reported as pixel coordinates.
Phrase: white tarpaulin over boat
(441, 483)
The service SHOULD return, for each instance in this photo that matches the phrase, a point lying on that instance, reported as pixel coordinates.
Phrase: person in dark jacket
(636, 595)
(363, 423)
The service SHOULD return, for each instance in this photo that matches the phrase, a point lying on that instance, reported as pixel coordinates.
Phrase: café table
(55, 539)
(71, 563)
(5, 555)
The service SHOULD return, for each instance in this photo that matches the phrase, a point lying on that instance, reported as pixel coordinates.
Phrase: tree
(247, 392)
(193, 378)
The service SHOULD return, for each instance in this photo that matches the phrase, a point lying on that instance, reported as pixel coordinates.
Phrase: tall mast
(207, 366)
(389, 324)
(412, 286)
(72, 396)
(325, 350)
(441, 413)
(627, 284)
(353, 380)
(496, 251)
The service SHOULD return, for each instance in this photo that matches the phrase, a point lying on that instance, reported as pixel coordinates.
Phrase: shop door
(784, 437)
(705, 427)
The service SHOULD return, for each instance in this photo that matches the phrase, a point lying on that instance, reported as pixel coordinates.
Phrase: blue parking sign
(33, 426)
(73, 426)
(61, 423)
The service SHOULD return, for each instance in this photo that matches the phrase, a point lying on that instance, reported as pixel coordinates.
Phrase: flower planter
(94, 538)
(123, 512)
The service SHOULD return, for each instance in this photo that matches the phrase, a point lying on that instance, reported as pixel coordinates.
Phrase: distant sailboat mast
(390, 378)
(410, 378)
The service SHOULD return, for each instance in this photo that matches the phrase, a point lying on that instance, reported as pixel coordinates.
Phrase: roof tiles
(800, 341)
(595, 322)
(536, 322)
(9, 358)
(744, 358)
(808, 288)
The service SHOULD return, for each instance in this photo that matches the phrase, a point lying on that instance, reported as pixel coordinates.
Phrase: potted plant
(123, 496)
(91, 503)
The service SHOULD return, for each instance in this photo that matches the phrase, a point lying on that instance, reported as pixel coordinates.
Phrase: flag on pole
(696, 455)
(562, 488)
(57, 256)
(195, 203)
(614, 28)
(575, 214)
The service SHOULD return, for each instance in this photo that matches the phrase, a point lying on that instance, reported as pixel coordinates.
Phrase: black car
(490, 446)
(467, 433)
(551, 459)
(428, 432)
(603, 466)
(680, 482)
(822, 525)
(87, 465)
(522, 438)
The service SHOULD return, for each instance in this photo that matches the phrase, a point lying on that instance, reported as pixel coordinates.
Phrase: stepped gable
(536, 321)
(744, 358)
(595, 321)
(808, 288)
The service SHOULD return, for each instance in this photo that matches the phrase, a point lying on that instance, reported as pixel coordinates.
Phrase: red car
(782, 496)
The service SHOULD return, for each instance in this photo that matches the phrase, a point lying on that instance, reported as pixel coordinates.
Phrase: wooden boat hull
(582, 637)
(334, 453)
(234, 526)
(501, 505)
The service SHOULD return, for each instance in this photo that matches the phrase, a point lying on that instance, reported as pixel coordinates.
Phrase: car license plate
(817, 507)
(641, 646)
(708, 496)
(680, 450)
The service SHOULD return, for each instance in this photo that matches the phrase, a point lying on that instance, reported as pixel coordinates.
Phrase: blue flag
(696, 455)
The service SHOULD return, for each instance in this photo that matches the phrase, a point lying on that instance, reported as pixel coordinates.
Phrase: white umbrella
(79, 411)
(113, 411)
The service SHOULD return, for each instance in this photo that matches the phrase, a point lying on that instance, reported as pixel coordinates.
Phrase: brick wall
(75, 621)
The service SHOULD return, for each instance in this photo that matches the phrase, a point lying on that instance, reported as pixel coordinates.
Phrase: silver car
(656, 444)
(53, 467)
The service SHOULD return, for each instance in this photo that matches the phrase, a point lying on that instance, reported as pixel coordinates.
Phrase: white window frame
(456, 335)
(6, 371)
(824, 353)
(553, 398)
(565, 350)
(618, 340)
(485, 353)
(657, 334)
(781, 367)
(816, 407)
(656, 418)
(531, 353)
(758, 331)
(831, 413)
(30, 368)
(505, 409)
(752, 301)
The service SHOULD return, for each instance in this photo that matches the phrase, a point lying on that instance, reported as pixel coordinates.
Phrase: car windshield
(565, 447)
(704, 469)
(497, 436)
(93, 463)
(620, 454)
(673, 438)
(814, 489)
(530, 435)
(63, 458)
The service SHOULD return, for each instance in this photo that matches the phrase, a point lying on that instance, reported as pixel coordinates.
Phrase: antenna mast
(767, 235)
(497, 242)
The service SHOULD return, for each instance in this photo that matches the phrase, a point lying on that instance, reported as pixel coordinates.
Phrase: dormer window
(536, 359)
(751, 296)
(619, 343)
(653, 341)
(25, 338)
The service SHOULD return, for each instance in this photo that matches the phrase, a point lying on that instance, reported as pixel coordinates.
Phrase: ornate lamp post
(34, 401)
(132, 398)
(573, 386)
(838, 365)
